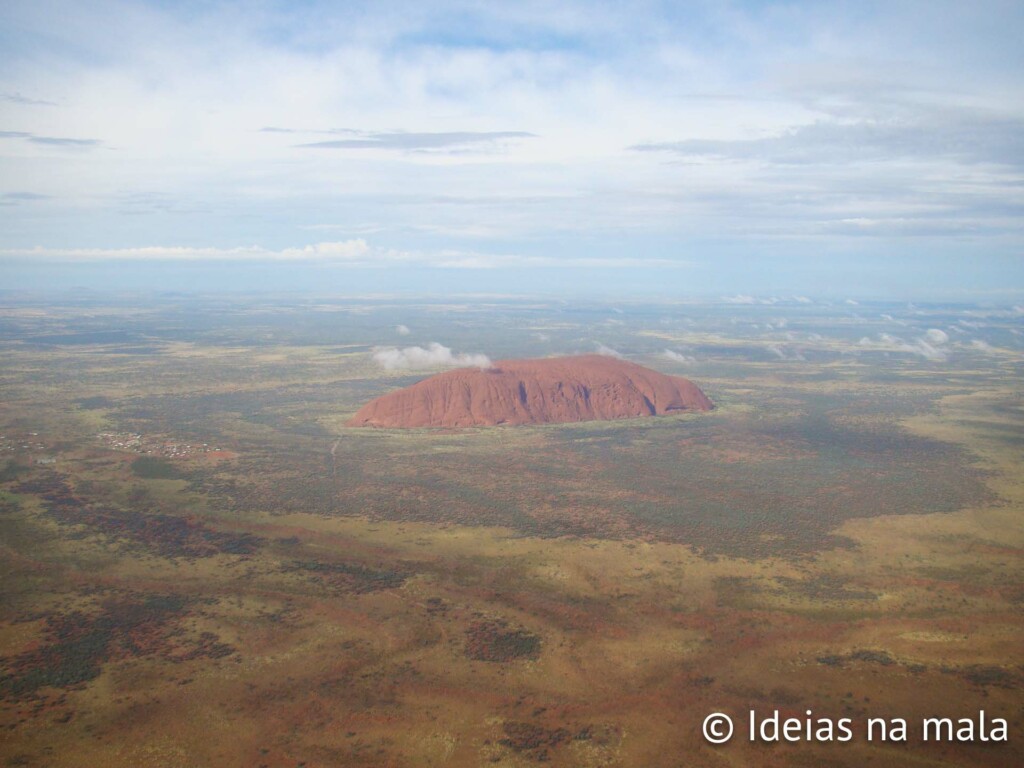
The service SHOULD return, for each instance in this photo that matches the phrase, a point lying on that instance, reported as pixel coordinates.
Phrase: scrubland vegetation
(844, 533)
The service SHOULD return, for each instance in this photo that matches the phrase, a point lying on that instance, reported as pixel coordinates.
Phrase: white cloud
(354, 252)
(784, 354)
(831, 139)
(607, 351)
(402, 330)
(434, 355)
(452, 259)
(926, 350)
(677, 357)
(923, 347)
(893, 320)
(350, 251)
(936, 336)
(982, 346)
(408, 142)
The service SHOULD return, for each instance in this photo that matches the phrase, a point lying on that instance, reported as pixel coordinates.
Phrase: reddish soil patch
(218, 455)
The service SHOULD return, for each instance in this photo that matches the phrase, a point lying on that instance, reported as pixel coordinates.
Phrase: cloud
(742, 298)
(24, 196)
(60, 141)
(607, 351)
(411, 141)
(17, 98)
(936, 336)
(964, 135)
(768, 136)
(982, 346)
(784, 353)
(17, 198)
(676, 357)
(53, 141)
(926, 350)
(923, 347)
(454, 259)
(352, 252)
(539, 336)
(434, 355)
(402, 330)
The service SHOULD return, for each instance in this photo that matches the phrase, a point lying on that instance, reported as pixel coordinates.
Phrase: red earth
(543, 391)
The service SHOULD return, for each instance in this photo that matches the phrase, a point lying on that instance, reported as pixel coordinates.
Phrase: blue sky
(869, 149)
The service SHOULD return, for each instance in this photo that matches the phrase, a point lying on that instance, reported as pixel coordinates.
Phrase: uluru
(542, 391)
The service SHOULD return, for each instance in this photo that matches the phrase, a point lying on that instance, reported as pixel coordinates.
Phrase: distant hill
(542, 391)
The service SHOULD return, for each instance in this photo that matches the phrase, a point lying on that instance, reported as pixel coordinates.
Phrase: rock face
(543, 391)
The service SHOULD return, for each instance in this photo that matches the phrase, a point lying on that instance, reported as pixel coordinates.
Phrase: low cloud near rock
(434, 355)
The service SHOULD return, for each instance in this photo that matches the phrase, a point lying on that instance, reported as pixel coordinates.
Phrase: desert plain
(202, 565)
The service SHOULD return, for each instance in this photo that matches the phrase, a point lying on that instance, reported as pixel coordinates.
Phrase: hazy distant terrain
(200, 565)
